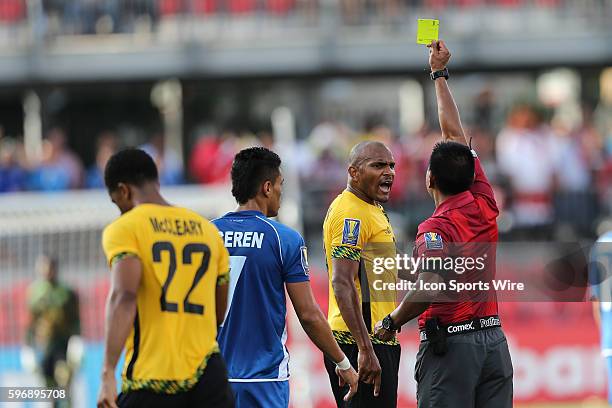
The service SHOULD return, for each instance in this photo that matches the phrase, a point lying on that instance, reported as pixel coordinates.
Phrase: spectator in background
(580, 152)
(266, 139)
(106, 146)
(212, 156)
(60, 169)
(603, 121)
(12, 12)
(169, 164)
(54, 321)
(13, 176)
(325, 168)
(528, 155)
(353, 11)
(376, 129)
(413, 204)
(484, 141)
(418, 148)
(484, 105)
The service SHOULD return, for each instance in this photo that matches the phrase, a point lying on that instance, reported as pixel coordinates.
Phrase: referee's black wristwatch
(388, 325)
(439, 74)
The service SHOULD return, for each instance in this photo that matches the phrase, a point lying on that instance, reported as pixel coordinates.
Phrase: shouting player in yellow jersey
(356, 230)
(169, 275)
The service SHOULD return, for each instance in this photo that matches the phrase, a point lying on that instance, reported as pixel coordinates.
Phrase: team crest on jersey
(350, 234)
(433, 240)
(304, 258)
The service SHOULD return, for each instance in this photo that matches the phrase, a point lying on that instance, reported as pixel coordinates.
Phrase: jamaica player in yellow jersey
(169, 275)
(356, 229)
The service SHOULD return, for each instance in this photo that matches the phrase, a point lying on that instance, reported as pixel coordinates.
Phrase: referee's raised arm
(448, 114)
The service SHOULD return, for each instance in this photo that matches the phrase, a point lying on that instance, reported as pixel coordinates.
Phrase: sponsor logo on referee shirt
(350, 233)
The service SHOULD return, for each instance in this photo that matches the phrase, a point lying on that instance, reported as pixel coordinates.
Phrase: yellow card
(427, 30)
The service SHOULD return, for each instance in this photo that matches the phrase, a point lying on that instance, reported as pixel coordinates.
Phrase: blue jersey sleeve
(295, 259)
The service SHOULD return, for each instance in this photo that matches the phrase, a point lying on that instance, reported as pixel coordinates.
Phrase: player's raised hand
(439, 55)
(350, 377)
(369, 369)
(107, 396)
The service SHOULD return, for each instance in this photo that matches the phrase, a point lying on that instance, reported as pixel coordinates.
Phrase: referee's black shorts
(212, 390)
(475, 372)
(389, 359)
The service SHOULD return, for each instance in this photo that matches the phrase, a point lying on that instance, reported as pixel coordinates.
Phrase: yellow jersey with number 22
(183, 260)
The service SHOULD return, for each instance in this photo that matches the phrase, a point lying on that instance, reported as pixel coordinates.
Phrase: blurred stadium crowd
(543, 170)
(552, 175)
(129, 16)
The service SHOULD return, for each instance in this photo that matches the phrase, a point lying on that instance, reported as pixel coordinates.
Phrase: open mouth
(385, 186)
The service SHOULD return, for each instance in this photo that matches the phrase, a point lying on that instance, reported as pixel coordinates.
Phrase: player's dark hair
(129, 166)
(251, 168)
(452, 166)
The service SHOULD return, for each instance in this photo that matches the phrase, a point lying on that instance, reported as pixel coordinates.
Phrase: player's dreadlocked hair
(251, 168)
(130, 166)
(452, 166)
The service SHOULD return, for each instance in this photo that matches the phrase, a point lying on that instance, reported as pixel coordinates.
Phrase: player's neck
(149, 195)
(439, 198)
(360, 194)
(253, 205)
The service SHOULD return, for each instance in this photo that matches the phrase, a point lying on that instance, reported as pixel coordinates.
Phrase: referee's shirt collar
(453, 202)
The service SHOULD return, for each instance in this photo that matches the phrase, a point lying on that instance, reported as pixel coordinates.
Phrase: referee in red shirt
(463, 359)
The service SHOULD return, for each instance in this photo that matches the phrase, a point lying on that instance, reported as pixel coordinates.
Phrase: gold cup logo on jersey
(350, 234)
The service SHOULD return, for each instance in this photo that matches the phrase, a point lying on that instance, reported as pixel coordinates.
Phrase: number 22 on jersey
(187, 260)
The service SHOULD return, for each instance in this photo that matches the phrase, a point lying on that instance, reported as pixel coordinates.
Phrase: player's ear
(124, 190)
(267, 188)
(431, 181)
(353, 173)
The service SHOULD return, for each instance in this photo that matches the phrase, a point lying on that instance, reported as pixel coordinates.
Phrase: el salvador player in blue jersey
(601, 293)
(265, 258)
